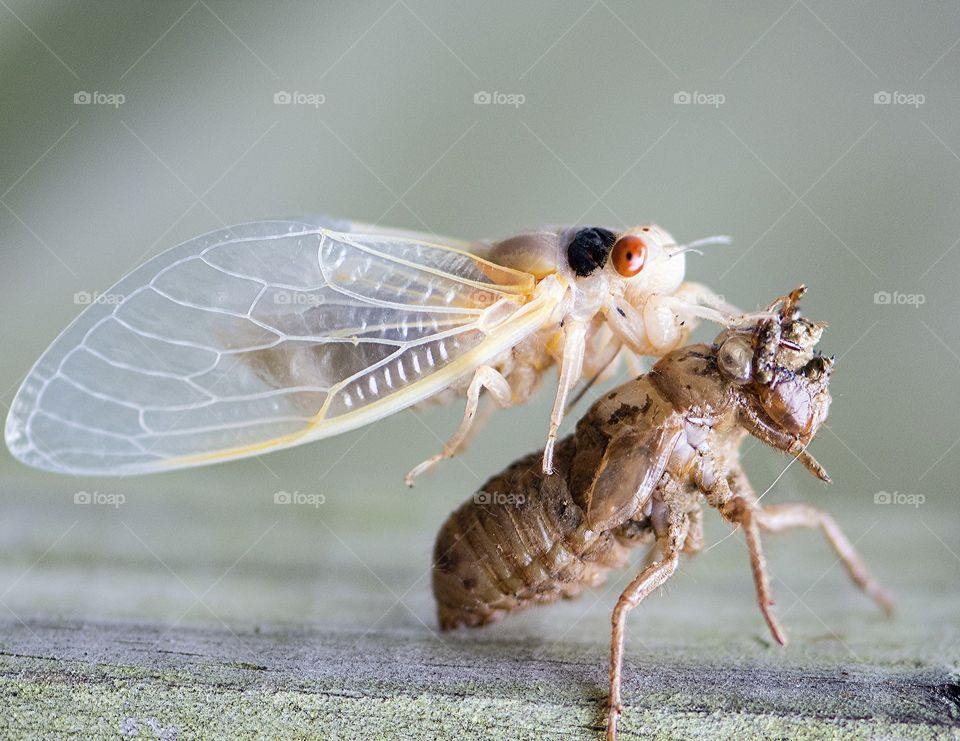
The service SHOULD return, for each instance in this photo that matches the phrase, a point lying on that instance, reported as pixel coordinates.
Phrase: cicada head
(797, 402)
(783, 382)
(646, 260)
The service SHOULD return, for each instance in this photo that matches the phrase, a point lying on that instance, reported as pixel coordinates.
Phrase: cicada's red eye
(629, 255)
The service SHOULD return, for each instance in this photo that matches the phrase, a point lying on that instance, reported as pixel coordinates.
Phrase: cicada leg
(660, 325)
(672, 533)
(763, 431)
(604, 366)
(693, 543)
(779, 517)
(735, 499)
(485, 377)
(652, 577)
(744, 512)
(697, 293)
(697, 300)
(689, 310)
(571, 368)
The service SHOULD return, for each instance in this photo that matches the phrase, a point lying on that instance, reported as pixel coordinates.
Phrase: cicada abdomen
(521, 540)
(527, 537)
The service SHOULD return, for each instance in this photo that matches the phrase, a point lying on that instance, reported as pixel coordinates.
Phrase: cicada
(271, 334)
(638, 469)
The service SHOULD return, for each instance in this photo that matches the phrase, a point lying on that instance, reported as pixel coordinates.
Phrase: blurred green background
(823, 137)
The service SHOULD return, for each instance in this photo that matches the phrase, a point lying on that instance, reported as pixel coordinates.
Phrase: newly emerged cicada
(639, 468)
(271, 334)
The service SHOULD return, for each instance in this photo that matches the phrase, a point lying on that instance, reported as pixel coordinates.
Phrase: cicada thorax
(575, 258)
(539, 252)
(576, 252)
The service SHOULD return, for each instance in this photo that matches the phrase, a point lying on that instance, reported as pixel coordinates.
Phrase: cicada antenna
(697, 243)
(687, 248)
(716, 239)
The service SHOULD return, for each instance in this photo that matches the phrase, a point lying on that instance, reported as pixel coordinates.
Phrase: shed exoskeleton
(637, 470)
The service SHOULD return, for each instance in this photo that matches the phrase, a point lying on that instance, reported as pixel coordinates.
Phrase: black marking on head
(589, 249)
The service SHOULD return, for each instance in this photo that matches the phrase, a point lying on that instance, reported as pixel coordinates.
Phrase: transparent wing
(258, 337)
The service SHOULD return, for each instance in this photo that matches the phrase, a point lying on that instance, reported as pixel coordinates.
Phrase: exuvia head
(786, 411)
(783, 383)
(798, 402)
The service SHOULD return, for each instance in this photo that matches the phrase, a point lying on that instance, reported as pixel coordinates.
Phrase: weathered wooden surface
(59, 678)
